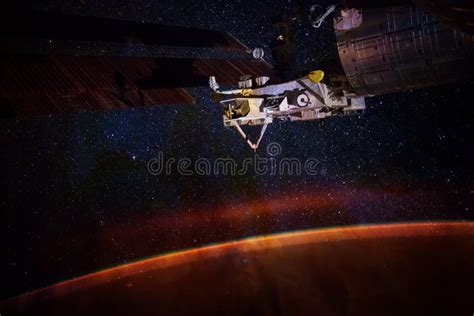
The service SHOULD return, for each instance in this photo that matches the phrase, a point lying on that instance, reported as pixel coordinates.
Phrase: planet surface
(390, 269)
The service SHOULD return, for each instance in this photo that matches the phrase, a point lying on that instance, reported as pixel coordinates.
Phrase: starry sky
(79, 198)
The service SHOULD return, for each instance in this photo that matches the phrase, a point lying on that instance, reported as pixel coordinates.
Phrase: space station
(60, 63)
(381, 50)
(298, 100)
(202, 157)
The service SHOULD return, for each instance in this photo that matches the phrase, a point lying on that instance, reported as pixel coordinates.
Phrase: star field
(78, 195)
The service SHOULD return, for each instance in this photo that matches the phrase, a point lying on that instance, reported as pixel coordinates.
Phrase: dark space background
(78, 197)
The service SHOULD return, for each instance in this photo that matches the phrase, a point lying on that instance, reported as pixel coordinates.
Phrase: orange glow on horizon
(248, 245)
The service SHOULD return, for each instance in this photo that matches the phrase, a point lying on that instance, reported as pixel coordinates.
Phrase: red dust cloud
(287, 211)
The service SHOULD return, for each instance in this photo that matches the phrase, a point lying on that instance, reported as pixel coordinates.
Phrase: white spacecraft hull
(297, 100)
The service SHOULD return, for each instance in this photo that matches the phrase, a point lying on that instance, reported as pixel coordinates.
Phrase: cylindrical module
(400, 48)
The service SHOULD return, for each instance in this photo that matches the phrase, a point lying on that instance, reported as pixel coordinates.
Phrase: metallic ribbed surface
(72, 73)
(458, 13)
(397, 49)
(37, 85)
(32, 85)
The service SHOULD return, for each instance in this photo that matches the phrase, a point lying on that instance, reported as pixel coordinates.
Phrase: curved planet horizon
(341, 270)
